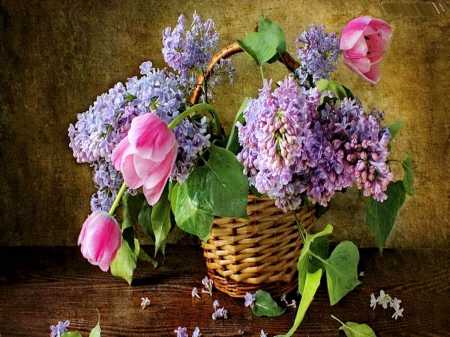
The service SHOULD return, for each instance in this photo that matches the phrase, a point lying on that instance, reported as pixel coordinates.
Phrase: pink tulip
(100, 239)
(363, 42)
(146, 156)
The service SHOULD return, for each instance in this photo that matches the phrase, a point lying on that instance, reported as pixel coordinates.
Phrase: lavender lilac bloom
(291, 148)
(188, 52)
(99, 130)
(318, 54)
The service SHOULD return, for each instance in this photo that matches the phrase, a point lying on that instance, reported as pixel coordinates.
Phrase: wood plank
(41, 285)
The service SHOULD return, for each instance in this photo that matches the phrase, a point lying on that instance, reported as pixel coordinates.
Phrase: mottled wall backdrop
(57, 56)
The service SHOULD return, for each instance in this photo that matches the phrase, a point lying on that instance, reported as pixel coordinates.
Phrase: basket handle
(227, 51)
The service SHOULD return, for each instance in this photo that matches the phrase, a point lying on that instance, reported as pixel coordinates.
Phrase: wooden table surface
(40, 286)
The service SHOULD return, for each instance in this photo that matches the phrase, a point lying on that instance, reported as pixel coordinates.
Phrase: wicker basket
(259, 253)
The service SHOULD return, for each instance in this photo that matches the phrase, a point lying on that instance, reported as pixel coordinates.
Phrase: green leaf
(96, 331)
(71, 334)
(319, 247)
(304, 261)
(265, 305)
(124, 263)
(322, 84)
(394, 128)
(143, 256)
(132, 205)
(380, 216)
(357, 330)
(145, 220)
(233, 142)
(341, 271)
(273, 28)
(187, 216)
(408, 180)
(260, 46)
(219, 187)
(337, 89)
(352, 329)
(312, 282)
(160, 221)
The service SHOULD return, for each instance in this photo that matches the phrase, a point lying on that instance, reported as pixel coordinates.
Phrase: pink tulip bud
(363, 43)
(146, 156)
(100, 239)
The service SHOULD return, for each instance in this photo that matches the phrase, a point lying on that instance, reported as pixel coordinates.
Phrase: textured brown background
(57, 56)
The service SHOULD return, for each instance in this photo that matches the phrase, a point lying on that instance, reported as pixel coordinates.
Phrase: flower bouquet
(158, 149)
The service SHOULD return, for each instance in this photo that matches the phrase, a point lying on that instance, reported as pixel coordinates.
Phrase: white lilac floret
(249, 300)
(219, 313)
(208, 284)
(194, 293)
(196, 332)
(59, 329)
(145, 302)
(386, 301)
(318, 54)
(181, 332)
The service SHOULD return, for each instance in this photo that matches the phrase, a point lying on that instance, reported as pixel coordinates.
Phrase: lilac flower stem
(117, 200)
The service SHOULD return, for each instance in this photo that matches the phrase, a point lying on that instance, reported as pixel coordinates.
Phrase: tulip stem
(117, 200)
(194, 108)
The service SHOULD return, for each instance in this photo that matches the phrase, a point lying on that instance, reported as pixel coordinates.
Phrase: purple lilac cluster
(291, 148)
(318, 54)
(276, 139)
(188, 52)
(99, 130)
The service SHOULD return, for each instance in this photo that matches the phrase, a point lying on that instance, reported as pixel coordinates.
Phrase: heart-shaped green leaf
(380, 216)
(408, 180)
(265, 305)
(187, 216)
(341, 271)
(219, 187)
(124, 263)
(352, 329)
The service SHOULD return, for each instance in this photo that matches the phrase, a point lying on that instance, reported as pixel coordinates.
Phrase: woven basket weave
(245, 255)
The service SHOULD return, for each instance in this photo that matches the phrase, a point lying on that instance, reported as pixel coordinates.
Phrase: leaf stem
(117, 200)
(337, 319)
(299, 226)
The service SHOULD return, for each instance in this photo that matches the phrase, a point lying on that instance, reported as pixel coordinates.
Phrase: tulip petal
(130, 176)
(105, 238)
(359, 49)
(151, 137)
(373, 76)
(353, 31)
(357, 64)
(100, 239)
(383, 27)
(118, 152)
(163, 169)
(144, 167)
(153, 194)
